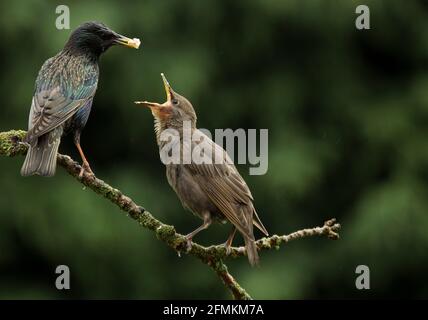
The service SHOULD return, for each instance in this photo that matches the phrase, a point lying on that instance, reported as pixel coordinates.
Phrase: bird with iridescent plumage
(62, 100)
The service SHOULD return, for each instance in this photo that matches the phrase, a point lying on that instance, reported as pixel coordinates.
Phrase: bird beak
(158, 109)
(124, 41)
(151, 105)
(168, 89)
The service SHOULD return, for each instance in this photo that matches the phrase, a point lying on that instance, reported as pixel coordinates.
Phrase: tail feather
(42, 155)
(250, 246)
(248, 234)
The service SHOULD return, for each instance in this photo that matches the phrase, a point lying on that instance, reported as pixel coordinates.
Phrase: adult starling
(213, 190)
(62, 101)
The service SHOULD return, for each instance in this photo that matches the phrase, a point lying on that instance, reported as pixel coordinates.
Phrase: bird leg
(228, 243)
(85, 163)
(205, 224)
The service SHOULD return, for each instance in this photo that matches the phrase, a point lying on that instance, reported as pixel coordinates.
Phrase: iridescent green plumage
(63, 95)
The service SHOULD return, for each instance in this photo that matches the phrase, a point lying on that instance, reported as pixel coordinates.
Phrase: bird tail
(42, 154)
(250, 246)
(248, 235)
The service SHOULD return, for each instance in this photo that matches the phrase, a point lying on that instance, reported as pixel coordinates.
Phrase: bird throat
(178, 128)
(159, 127)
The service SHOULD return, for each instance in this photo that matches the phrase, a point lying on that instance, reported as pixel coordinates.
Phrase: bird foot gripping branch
(63, 103)
(215, 192)
(212, 256)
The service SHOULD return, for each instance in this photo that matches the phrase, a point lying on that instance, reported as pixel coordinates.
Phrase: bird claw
(85, 168)
(22, 143)
(228, 248)
(188, 245)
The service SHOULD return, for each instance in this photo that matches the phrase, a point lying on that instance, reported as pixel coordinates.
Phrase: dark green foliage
(347, 113)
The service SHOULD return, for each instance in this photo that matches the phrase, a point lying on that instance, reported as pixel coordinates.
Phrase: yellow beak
(168, 89)
(169, 95)
(148, 104)
(125, 41)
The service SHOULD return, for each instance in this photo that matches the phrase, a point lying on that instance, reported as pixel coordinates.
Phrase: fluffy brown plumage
(212, 191)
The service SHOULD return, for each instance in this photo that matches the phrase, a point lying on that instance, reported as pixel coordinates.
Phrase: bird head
(95, 38)
(174, 110)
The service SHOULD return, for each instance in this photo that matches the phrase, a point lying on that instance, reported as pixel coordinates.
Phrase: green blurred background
(347, 113)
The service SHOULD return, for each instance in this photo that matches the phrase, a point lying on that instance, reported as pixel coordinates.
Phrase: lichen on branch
(213, 256)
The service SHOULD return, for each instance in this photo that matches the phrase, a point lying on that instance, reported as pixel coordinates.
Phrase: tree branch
(213, 256)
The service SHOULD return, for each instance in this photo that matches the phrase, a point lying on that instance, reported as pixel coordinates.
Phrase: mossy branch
(213, 256)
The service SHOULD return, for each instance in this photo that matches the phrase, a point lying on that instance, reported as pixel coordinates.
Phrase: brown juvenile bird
(212, 191)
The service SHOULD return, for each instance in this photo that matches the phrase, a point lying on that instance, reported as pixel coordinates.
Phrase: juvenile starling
(213, 190)
(62, 100)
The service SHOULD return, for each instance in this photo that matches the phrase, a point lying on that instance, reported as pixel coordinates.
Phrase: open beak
(160, 111)
(169, 96)
(151, 105)
(168, 89)
(124, 41)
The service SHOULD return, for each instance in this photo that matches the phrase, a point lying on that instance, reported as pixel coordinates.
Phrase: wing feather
(227, 189)
(59, 94)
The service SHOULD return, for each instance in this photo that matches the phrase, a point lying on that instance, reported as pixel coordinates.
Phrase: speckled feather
(66, 84)
(62, 100)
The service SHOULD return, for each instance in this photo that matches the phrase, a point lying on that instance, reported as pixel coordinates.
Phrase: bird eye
(174, 101)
